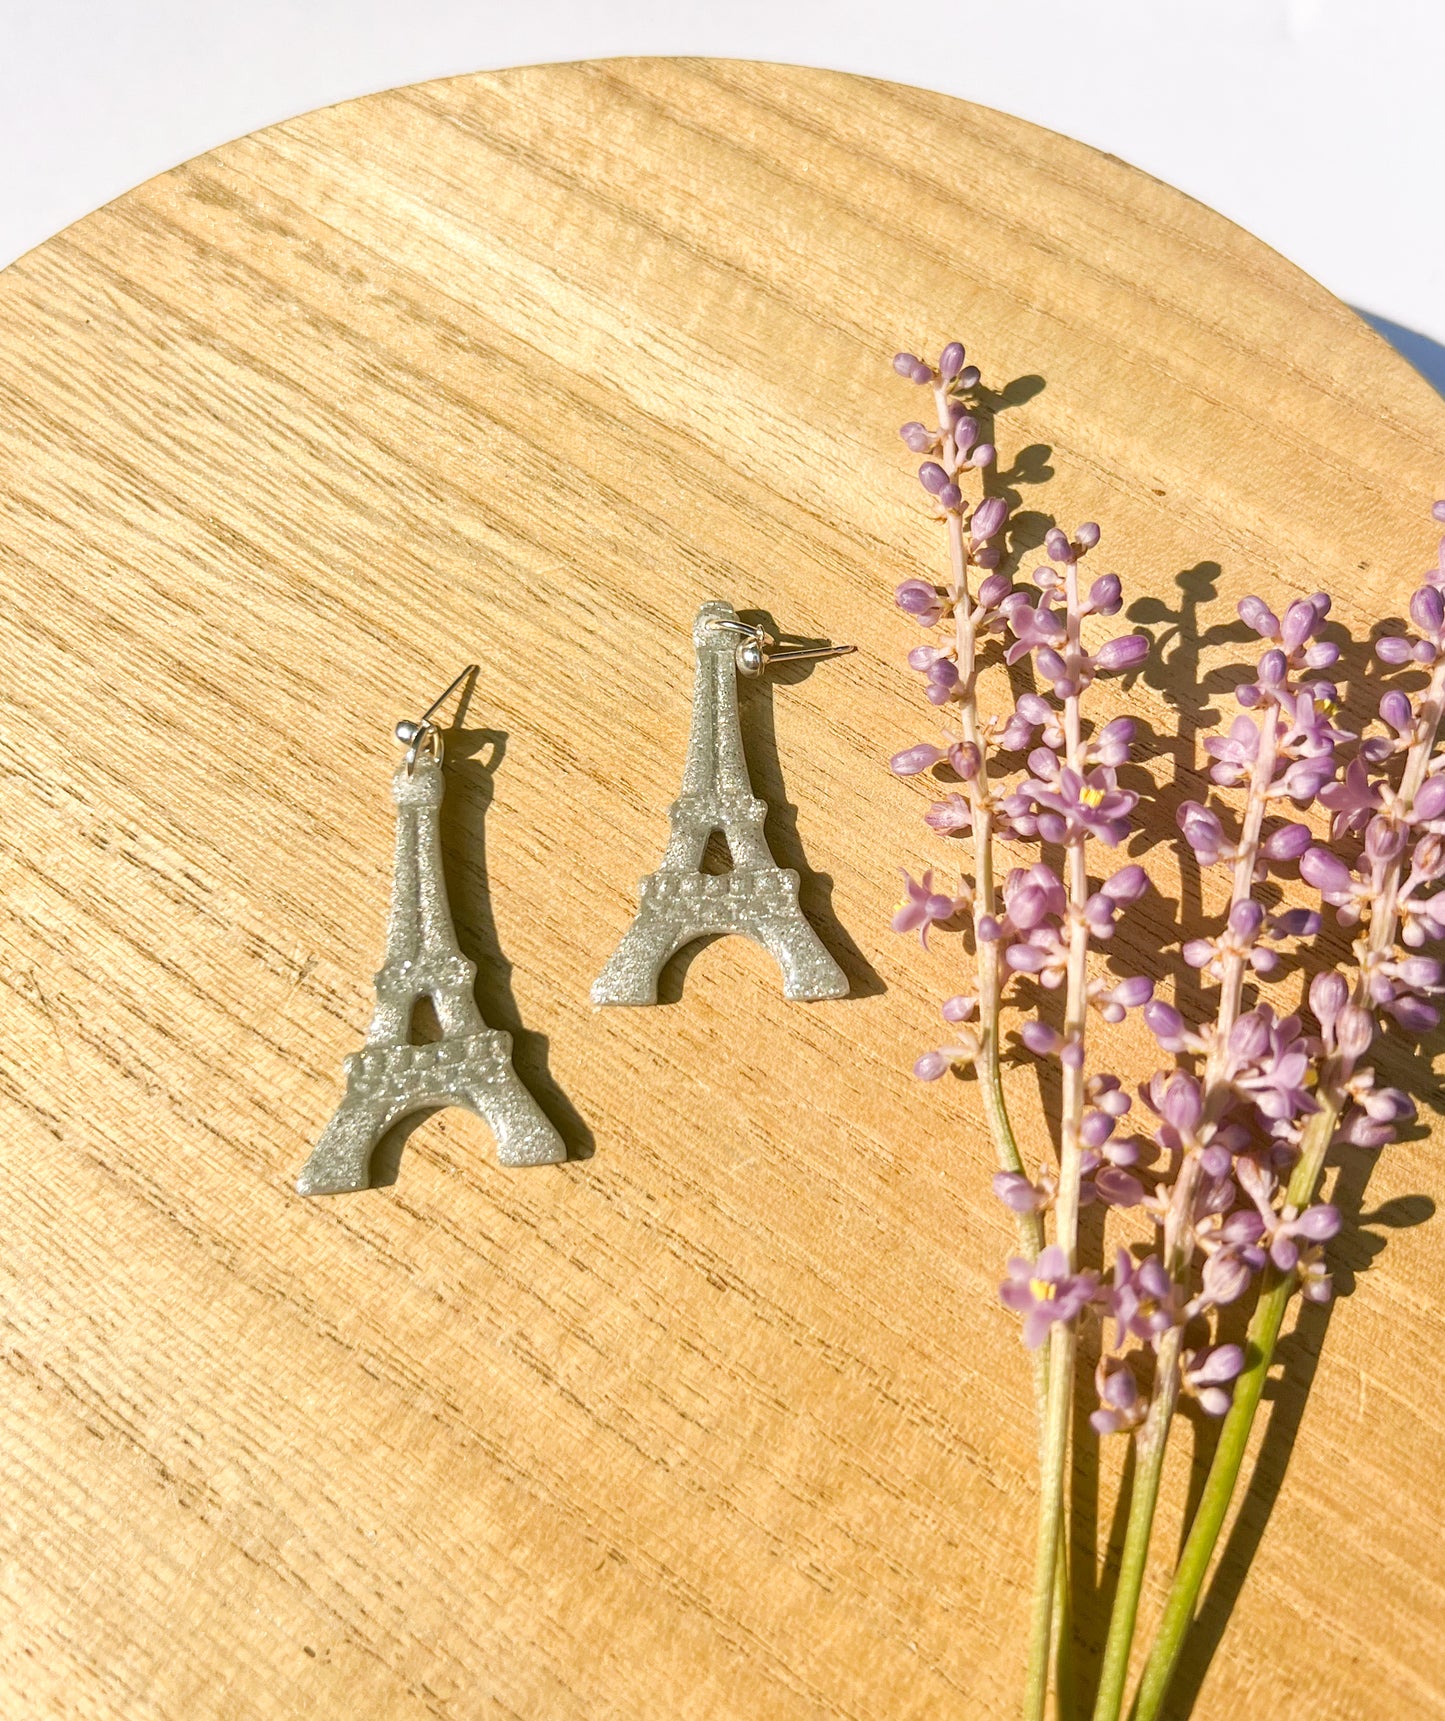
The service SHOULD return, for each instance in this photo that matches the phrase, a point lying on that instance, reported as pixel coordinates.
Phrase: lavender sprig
(1285, 753)
(1068, 796)
(1391, 890)
(950, 673)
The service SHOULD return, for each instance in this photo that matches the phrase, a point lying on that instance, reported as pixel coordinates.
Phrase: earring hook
(756, 651)
(421, 737)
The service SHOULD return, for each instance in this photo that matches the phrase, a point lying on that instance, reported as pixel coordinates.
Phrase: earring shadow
(473, 757)
(760, 746)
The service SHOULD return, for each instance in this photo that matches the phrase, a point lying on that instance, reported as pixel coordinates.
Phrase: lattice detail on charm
(758, 898)
(470, 1065)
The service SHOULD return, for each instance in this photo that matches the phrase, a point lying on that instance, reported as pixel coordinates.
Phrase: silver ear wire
(420, 736)
(757, 650)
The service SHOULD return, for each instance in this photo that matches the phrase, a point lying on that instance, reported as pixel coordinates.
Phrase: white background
(1317, 124)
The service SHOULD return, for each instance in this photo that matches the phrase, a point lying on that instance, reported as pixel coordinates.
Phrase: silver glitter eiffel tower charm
(758, 897)
(471, 1064)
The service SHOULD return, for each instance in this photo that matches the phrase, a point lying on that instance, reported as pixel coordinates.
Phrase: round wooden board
(720, 1419)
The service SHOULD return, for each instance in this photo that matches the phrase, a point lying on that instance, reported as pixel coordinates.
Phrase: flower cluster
(1224, 1153)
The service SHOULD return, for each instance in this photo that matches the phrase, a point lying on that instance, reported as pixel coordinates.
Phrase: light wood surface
(721, 1419)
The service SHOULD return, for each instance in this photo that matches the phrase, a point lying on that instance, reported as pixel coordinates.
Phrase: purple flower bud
(920, 600)
(917, 436)
(965, 432)
(1226, 1276)
(1096, 1128)
(1384, 839)
(1126, 652)
(1117, 1187)
(1300, 621)
(1249, 1037)
(994, 590)
(1072, 1054)
(1288, 843)
(1395, 709)
(1257, 614)
(968, 376)
(1202, 830)
(949, 816)
(1420, 973)
(942, 679)
(1137, 990)
(1050, 663)
(930, 1066)
(959, 1008)
(921, 373)
(1087, 535)
(1306, 777)
(1422, 651)
(1216, 1367)
(1328, 996)
(932, 477)
(1057, 546)
(950, 496)
(1245, 919)
(1126, 885)
(989, 517)
(1295, 923)
(1166, 1024)
(1414, 1014)
(1393, 648)
(1427, 610)
(1198, 952)
(984, 455)
(965, 759)
(950, 361)
(1106, 595)
(1040, 1039)
(1437, 510)
(1326, 872)
(1323, 654)
(912, 760)
(1318, 1223)
(1429, 800)
(1182, 1104)
(903, 363)
(1024, 959)
(1016, 1192)
(1273, 667)
(1354, 1030)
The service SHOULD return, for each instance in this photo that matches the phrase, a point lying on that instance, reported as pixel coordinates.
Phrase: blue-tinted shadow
(1427, 356)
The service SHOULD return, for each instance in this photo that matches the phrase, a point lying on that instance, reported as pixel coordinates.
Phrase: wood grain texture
(721, 1419)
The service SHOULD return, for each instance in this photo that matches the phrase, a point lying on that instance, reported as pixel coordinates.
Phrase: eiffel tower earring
(471, 1064)
(758, 897)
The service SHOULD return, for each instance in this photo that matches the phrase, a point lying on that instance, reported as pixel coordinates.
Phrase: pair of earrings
(470, 1064)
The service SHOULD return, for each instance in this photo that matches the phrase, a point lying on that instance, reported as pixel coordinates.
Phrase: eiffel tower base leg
(632, 974)
(387, 1084)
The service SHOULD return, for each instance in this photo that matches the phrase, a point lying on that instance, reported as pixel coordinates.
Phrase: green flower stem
(1178, 1249)
(1204, 1532)
(1149, 1467)
(1063, 1341)
(1274, 1295)
(990, 988)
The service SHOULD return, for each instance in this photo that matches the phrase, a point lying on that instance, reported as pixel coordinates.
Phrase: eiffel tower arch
(390, 1079)
(680, 903)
